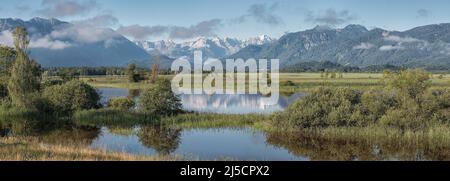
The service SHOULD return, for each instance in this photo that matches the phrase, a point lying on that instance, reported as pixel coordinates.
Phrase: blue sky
(184, 19)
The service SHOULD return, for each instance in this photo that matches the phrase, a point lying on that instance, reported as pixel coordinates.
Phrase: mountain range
(425, 46)
(55, 43)
(214, 47)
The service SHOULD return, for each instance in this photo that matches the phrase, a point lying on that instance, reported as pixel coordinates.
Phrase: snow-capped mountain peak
(214, 47)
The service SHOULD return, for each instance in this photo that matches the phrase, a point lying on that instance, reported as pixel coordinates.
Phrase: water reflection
(224, 103)
(164, 140)
(233, 143)
(316, 148)
(234, 104)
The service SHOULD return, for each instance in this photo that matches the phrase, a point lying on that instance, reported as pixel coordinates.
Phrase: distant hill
(56, 43)
(354, 45)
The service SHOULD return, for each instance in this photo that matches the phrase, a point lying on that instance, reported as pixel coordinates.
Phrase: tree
(7, 56)
(164, 140)
(131, 72)
(155, 70)
(71, 96)
(160, 100)
(24, 81)
(409, 83)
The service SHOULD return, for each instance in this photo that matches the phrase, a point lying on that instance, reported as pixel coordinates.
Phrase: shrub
(160, 100)
(409, 83)
(375, 103)
(71, 96)
(323, 107)
(121, 103)
(410, 116)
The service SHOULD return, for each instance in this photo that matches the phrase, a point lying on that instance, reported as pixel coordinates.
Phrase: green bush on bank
(121, 103)
(406, 102)
(160, 100)
(71, 96)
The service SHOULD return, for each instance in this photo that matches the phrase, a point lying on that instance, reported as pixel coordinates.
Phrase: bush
(71, 96)
(160, 100)
(409, 83)
(323, 107)
(375, 103)
(408, 104)
(121, 103)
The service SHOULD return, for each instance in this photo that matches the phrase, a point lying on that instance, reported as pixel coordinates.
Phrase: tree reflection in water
(164, 140)
(316, 148)
(51, 131)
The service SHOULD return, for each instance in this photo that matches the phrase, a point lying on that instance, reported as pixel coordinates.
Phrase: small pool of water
(203, 144)
(222, 104)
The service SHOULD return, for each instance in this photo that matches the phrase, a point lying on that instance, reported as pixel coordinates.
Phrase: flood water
(197, 144)
(221, 104)
(222, 143)
(209, 144)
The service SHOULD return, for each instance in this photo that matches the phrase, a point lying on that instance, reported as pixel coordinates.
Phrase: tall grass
(28, 149)
(117, 118)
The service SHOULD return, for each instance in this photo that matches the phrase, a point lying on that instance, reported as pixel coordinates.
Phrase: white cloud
(6, 38)
(48, 43)
(391, 47)
(423, 13)
(204, 28)
(103, 20)
(399, 39)
(66, 8)
(261, 13)
(330, 17)
(139, 32)
(83, 34)
(364, 46)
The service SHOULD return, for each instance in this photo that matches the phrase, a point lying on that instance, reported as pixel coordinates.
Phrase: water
(236, 144)
(203, 144)
(222, 104)
(229, 143)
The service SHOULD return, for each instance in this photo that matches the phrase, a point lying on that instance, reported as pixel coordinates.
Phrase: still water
(204, 144)
(232, 143)
(222, 104)
(198, 144)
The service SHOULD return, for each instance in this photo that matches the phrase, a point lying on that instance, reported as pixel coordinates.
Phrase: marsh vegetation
(401, 115)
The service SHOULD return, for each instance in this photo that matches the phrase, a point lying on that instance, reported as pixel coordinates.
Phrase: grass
(111, 117)
(302, 82)
(28, 149)
(116, 118)
(365, 143)
(213, 120)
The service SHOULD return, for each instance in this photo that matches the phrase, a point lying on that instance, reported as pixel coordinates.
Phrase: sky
(187, 19)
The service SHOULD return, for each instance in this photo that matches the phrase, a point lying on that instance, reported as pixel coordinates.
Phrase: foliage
(411, 83)
(71, 96)
(163, 139)
(7, 57)
(121, 103)
(131, 73)
(160, 100)
(405, 103)
(25, 79)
